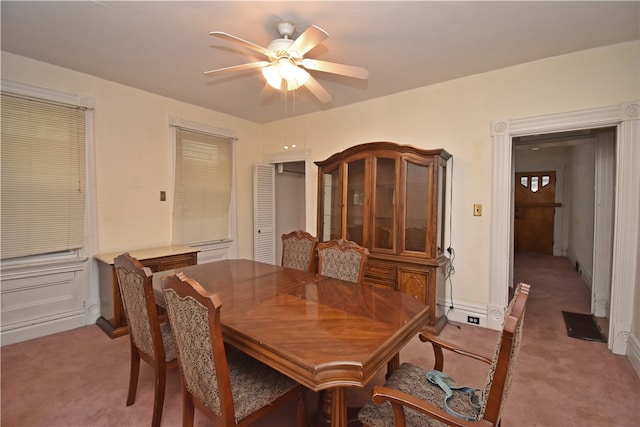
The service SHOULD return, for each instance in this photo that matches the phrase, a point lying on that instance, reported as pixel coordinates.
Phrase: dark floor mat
(582, 326)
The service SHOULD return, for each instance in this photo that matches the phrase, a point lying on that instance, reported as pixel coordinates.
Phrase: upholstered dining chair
(342, 259)
(229, 387)
(151, 340)
(298, 250)
(411, 396)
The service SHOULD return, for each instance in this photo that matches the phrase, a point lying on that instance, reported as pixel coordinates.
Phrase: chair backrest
(342, 259)
(195, 319)
(136, 291)
(506, 356)
(298, 249)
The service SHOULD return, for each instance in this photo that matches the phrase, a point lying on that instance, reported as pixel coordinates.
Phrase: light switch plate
(477, 210)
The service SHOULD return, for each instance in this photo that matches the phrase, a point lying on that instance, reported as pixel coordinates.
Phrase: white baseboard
(633, 353)
(36, 330)
(461, 312)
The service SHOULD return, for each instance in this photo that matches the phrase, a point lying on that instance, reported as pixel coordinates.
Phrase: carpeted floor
(79, 378)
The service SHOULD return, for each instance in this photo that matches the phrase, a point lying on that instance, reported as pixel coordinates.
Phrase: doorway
(576, 221)
(622, 116)
(290, 201)
(283, 198)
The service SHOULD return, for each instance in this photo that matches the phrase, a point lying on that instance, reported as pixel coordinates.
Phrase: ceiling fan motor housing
(281, 47)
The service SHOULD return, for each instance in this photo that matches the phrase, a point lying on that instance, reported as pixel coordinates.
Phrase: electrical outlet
(474, 320)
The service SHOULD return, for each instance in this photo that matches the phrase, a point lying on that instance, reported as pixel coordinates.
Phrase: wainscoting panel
(42, 300)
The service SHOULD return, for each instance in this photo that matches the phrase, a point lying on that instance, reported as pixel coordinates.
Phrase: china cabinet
(389, 198)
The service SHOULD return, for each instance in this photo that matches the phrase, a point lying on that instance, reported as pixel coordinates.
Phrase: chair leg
(187, 408)
(158, 400)
(133, 375)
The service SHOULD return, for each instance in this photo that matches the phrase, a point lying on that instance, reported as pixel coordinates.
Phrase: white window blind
(43, 176)
(202, 187)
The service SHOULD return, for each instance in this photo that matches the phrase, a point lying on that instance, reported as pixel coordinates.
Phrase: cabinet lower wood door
(113, 321)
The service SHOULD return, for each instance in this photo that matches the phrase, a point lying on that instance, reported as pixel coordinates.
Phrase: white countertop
(142, 254)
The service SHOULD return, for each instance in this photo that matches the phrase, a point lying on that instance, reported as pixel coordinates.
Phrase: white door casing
(603, 223)
(626, 116)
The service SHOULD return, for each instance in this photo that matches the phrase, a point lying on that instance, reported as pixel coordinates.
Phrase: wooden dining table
(325, 333)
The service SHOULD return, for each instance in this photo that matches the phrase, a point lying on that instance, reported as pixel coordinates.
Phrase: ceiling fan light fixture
(272, 74)
(285, 70)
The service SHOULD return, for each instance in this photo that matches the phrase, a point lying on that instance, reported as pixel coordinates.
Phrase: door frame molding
(310, 170)
(626, 118)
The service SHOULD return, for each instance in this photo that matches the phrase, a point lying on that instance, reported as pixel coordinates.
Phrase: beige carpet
(79, 378)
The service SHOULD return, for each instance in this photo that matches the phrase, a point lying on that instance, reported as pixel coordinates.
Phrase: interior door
(535, 194)
(264, 213)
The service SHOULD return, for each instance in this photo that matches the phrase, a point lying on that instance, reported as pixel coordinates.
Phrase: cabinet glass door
(331, 219)
(416, 210)
(355, 201)
(384, 219)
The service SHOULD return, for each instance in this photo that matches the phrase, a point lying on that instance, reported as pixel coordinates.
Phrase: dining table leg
(338, 407)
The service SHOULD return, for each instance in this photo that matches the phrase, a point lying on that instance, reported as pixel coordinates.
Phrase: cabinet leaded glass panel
(416, 207)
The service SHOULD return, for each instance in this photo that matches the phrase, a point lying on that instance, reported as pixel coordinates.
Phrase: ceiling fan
(285, 66)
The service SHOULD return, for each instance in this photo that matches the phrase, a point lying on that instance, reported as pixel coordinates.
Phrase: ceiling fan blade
(234, 68)
(310, 38)
(317, 90)
(244, 43)
(334, 68)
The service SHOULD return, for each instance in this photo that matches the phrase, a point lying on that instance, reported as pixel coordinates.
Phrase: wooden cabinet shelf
(389, 198)
(113, 321)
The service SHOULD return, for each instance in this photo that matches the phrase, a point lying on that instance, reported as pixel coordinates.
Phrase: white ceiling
(164, 47)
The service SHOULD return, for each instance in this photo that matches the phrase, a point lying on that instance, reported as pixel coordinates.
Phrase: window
(535, 182)
(43, 176)
(203, 187)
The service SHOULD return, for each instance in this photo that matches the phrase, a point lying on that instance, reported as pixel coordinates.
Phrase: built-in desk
(113, 321)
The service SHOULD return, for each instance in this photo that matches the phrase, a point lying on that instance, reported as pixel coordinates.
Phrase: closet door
(264, 213)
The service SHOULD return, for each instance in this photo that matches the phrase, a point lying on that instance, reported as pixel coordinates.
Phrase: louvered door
(264, 214)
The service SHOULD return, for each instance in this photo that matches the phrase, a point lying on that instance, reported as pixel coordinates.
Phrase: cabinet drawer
(153, 264)
(378, 283)
(380, 270)
(179, 261)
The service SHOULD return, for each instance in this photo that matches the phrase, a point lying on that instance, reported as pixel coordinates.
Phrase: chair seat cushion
(254, 384)
(412, 379)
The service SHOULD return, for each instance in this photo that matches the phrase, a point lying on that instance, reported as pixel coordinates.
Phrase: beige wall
(133, 152)
(456, 115)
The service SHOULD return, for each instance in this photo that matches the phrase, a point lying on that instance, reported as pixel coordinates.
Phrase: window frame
(226, 245)
(90, 215)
